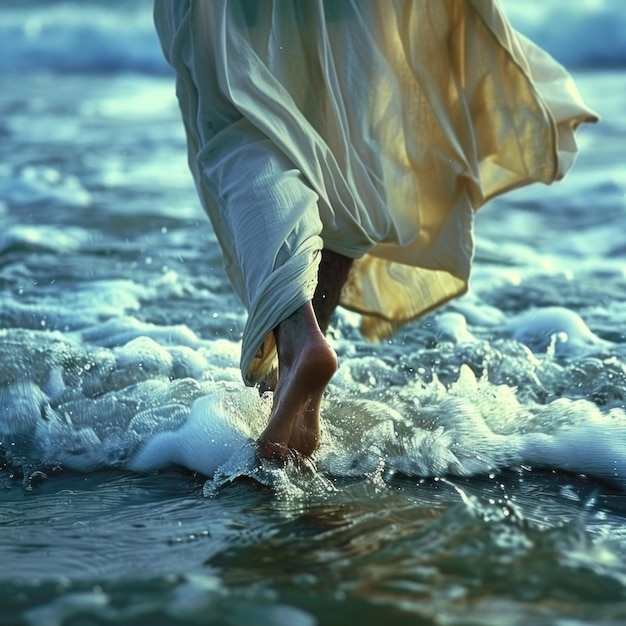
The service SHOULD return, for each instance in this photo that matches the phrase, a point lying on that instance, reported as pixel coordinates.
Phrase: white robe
(373, 128)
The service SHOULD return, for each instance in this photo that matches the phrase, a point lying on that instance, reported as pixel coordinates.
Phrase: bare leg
(306, 365)
(332, 275)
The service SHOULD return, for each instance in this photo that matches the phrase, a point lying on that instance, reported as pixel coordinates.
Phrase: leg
(332, 275)
(306, 365)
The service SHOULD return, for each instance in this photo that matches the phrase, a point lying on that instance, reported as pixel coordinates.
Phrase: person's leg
(306, 365)
(332, 275)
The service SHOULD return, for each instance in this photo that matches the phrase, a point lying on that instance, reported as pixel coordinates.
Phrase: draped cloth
(372, 128)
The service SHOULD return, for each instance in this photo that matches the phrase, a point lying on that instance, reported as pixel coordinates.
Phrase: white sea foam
(86, 408)
(43, 185)
(41, 237)
(553, 327)
(209, 437)
(587, 449)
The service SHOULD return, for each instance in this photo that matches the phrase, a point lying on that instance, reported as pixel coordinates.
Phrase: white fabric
(373, 128)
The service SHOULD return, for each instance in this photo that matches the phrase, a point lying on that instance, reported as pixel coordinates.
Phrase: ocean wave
(73, 37)
(148, 398)
(587, 34)
(80, 38)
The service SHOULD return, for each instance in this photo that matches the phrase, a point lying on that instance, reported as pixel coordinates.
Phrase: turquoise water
(472, 469)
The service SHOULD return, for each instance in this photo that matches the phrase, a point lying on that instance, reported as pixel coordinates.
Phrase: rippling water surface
(472, 470)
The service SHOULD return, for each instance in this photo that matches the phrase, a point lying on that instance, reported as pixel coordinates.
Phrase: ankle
(295, 332)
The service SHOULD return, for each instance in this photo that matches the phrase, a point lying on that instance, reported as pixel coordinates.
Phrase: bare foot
(306, 365)
(332, 275)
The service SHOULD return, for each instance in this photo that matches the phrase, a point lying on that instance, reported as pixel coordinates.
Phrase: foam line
(207, 440)
(586, 449)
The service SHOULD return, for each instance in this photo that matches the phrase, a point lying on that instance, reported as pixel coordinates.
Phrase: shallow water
(472, 469)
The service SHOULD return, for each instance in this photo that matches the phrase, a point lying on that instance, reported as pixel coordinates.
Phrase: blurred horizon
(118, 35)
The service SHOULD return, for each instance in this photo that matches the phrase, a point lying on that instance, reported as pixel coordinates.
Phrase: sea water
(472, 469)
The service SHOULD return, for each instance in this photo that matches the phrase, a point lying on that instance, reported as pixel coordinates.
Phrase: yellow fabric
(402, 116)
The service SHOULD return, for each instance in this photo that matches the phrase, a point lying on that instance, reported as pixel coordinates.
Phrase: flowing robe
(372, 128)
